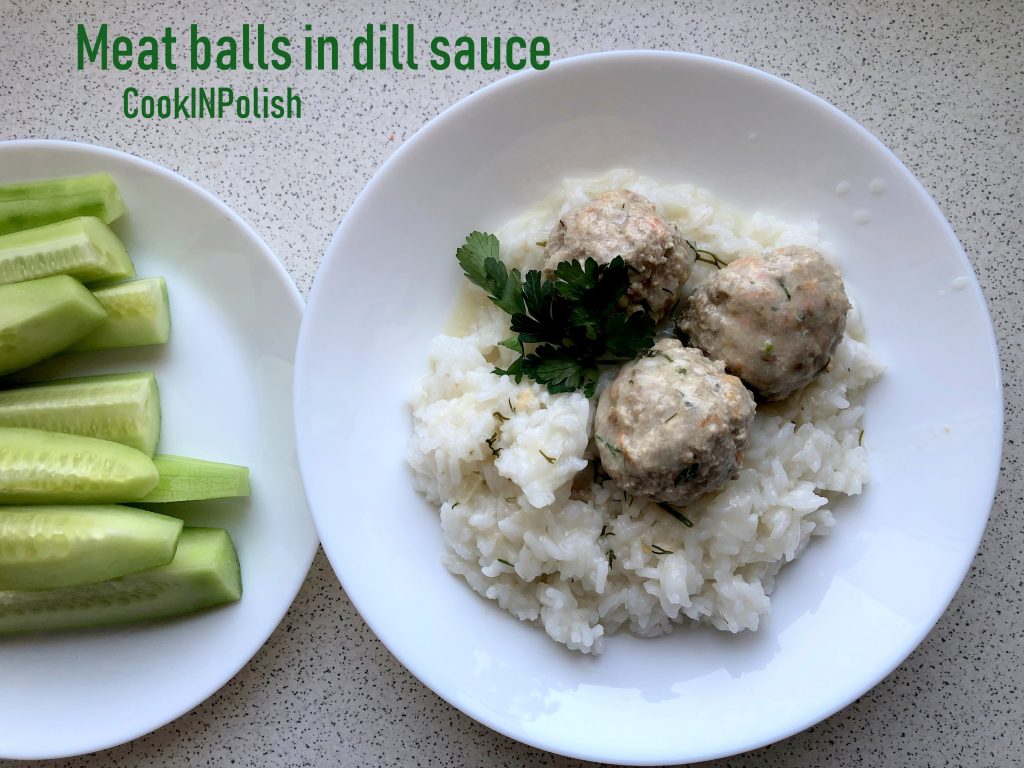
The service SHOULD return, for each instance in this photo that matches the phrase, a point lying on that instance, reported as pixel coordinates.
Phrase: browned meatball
(623, 223)
(773, 319)
(673, 424)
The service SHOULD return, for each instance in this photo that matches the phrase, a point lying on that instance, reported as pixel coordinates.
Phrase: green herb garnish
(659, 550)
(676, 513)
(574, 319)
(707, 256)
(479, 260)
(653, 353)
(506, 562)
(688, 474)
(782, 285)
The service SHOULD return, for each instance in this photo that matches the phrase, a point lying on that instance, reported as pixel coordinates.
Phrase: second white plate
(225, 383)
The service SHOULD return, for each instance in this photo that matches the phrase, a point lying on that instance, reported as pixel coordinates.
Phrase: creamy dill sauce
(465, 308)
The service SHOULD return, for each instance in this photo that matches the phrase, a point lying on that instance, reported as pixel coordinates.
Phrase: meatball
(623, 223)
(773, 319)
(673, 424)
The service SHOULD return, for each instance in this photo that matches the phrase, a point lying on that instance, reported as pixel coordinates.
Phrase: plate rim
(670, 57)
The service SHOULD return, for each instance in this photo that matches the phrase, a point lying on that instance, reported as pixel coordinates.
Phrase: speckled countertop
(939, 82)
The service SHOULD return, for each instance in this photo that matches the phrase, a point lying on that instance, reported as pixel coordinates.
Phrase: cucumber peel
(203, 573)
(50, 547)
(83, 248)
(35, 203)
(121, 407)
(38, 467)
(41, 317)
(138, 315)
(186, 479)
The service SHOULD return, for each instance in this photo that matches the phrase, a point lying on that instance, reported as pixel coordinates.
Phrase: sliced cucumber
(121, 407)
(203, 573)
(84, 248)
(41, 317)
(137, 315)
(49, 547)
(35, 203)
(184, 479)
(38, 467)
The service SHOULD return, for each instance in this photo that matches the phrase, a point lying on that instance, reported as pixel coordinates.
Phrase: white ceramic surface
(225, 382)
(843, 616)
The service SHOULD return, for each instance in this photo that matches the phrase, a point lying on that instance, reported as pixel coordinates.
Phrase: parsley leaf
(559, 370)
(513, 343)
(597, 286)
(625, 336)
(480, 263)
(575, 318)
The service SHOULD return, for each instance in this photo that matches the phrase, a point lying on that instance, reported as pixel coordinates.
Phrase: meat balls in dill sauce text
(774, 319)
(673, 424)
(623, 223)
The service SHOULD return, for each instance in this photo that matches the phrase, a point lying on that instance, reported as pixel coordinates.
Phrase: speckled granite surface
(939, 82)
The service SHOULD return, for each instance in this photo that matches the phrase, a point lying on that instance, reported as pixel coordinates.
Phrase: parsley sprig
(572, 322)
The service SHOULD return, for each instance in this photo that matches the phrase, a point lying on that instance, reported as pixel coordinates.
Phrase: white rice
(582, 558)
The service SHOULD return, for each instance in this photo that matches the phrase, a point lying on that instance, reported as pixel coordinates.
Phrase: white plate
(844, 615)
(225, 386)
